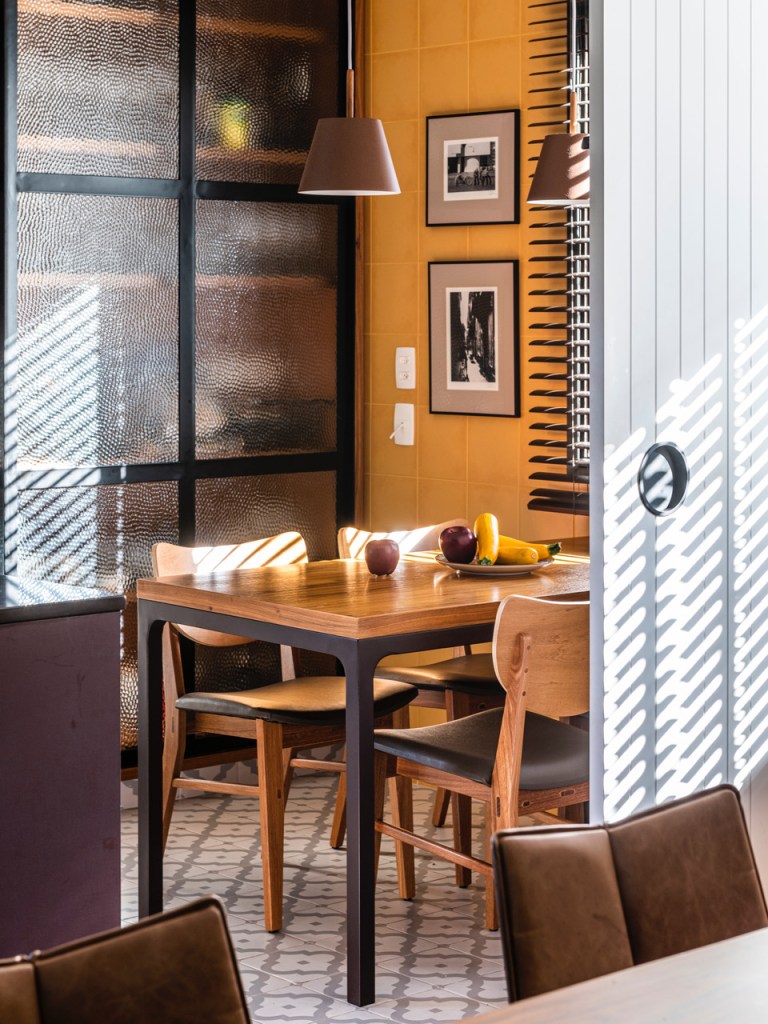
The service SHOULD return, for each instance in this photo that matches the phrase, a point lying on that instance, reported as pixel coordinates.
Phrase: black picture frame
(474, 338)
(473, 168)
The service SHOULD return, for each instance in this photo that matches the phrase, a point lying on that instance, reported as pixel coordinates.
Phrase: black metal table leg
(359, 665)
(150, 631)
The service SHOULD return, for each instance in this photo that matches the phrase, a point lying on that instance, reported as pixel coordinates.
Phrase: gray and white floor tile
(435, 960)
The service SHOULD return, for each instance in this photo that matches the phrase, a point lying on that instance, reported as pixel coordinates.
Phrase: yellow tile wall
(439, 57)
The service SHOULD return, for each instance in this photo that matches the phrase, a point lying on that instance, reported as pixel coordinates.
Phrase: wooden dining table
(724, 982)
(336, 607)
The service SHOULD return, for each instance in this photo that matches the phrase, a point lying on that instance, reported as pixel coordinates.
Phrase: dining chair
(280, 718)
(519, 759)
(576, 902)
(460, 685)
(173, 968)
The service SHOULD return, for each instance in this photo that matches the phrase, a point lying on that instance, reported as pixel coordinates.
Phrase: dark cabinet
(59, 764)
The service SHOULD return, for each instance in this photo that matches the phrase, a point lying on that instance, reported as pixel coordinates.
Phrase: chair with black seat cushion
(577, 902)
(461, 684)
(173, 968)
(518, 759)
(279, 718)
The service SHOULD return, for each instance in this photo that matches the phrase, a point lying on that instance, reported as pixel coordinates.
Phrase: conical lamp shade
(562, 173)
(349, 156)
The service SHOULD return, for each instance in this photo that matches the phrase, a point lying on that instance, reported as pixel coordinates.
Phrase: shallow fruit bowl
(473, 569)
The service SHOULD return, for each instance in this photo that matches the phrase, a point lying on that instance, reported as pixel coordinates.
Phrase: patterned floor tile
(435, 961)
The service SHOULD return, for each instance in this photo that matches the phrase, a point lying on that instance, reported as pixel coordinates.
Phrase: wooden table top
(341, 598)
(727, 981)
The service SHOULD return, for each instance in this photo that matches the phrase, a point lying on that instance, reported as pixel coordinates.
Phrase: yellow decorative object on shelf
(233, 124)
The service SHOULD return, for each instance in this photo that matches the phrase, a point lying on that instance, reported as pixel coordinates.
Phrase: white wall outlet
(405, 368)
(403, 432)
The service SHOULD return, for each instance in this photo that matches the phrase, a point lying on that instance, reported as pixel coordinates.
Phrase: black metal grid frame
(187, 189)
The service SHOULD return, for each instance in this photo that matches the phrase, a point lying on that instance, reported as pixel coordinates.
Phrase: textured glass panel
(266, 71)
(98, 87)
(241, 508)
(99, 537)
(94, 374)
(266, 328)
(237, 509)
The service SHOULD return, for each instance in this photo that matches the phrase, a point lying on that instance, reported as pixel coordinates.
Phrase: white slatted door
(680, 235)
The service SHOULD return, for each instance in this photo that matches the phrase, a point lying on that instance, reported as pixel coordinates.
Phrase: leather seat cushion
(554, 754)
(473, 674)
(319, 699)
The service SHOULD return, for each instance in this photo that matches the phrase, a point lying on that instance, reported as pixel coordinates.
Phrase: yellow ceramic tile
(422, 372)
(506, 504)
(381, 362)
(395, 228)
(544, 525)
(494, 74)
(393, 503)
(442, 22)
(394, 25)
(395, 78)
(442, 446)
(404, 138)
(489, 19)
(493, 450)
(366, 502)
(388, 458)
(441, 499)
(442, 243)
(393, 298)
(443, 80)
(495, 242)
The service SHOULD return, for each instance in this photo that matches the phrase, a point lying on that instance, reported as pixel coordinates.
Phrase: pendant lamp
(562, 172)
(349, 155)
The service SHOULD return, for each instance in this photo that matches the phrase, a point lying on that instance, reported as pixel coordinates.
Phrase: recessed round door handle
(663, 478)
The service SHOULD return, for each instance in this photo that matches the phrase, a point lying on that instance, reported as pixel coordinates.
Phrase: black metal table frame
(359, 658)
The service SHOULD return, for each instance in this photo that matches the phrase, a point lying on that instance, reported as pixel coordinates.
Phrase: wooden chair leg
(288, 754)
(339, 825)
(574, 813)
(462, 834)
(491, 912)
(272, 814)
(440, 807)
(401, 799)
(173, 757)
(380, 766)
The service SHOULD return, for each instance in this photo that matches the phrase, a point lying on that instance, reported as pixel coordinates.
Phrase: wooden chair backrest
(177, 560)
(352, 541)
(557, 683)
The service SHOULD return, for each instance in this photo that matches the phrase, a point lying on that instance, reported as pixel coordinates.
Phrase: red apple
(458, 544)
(382, 556)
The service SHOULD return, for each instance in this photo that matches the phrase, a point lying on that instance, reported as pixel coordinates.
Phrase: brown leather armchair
(578, 902)
(173, 968)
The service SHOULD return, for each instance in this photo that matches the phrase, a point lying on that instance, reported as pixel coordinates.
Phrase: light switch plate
(405, 368)
(403, 423)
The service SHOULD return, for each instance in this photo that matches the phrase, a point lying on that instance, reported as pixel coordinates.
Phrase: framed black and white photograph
(474, 338)
(473, 174)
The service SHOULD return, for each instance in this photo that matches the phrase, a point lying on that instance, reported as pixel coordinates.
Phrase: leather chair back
(175, 968)
(578, 902)
(687, 874)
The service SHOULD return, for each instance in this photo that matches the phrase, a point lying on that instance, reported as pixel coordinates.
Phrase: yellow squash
(487, 533)
(517, 554)
(542, 550)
